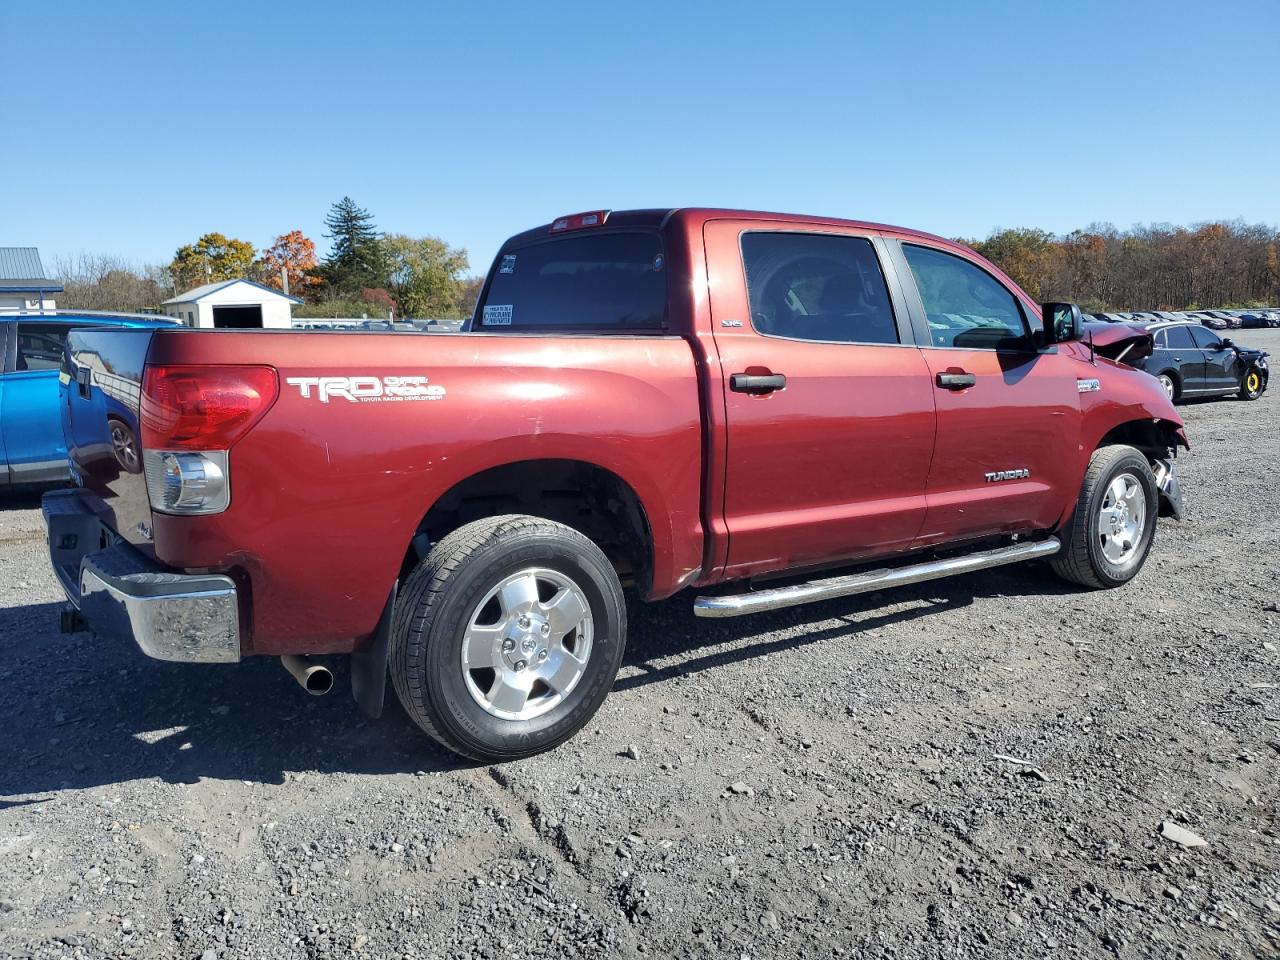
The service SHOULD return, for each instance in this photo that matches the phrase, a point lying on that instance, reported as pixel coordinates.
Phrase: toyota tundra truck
(757, 410)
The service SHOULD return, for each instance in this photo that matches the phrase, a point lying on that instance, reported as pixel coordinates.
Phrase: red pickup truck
(729, 402)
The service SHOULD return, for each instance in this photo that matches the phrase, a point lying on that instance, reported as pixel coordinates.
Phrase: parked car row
(1214, 319)
(382, 326)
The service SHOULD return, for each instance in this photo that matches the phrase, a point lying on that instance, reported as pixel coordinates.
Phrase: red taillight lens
(203, 408)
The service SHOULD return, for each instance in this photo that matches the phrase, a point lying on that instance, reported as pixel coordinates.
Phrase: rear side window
(1180, 338)
(809, 286)
(40, 346)
(606, 281)
(965, 306)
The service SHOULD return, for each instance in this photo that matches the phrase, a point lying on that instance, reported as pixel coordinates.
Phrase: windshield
(609, 281)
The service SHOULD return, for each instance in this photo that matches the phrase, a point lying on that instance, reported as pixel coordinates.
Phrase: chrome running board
(758, 601)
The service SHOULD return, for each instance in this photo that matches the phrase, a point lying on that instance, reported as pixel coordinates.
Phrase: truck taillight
(203, 408)
(191, 416)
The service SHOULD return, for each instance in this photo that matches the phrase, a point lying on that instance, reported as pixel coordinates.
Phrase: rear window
(598, 281)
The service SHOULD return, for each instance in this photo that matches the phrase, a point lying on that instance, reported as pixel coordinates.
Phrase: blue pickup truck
(32, 448)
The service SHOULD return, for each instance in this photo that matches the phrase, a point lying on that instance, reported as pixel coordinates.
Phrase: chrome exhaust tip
(315, 678)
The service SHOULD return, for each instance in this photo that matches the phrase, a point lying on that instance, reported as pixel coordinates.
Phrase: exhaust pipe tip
(315, 678)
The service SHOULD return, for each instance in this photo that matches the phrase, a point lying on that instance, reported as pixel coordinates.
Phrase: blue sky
(132, 128)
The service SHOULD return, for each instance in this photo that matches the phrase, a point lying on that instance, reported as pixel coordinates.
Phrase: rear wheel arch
(584, 496)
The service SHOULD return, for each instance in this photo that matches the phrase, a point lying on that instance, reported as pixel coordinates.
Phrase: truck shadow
(676, 633)
(80, 714)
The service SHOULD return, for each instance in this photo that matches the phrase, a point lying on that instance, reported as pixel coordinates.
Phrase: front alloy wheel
(1122, 520)
(1108, 537)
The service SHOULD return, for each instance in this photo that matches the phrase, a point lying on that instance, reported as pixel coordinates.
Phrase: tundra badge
(1020, 474)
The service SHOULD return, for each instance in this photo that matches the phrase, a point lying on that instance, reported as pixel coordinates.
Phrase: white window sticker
(497, 315)
(508, 264)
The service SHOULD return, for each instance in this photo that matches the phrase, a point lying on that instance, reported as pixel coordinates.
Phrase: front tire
(1109, 535)
(507, 637)
(1251, 384)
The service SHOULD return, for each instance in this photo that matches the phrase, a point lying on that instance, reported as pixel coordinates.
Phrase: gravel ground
(825, 781)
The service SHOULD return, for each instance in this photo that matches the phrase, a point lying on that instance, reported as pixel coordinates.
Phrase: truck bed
(368, 432)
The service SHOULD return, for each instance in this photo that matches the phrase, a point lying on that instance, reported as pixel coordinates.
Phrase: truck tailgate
(101, 388)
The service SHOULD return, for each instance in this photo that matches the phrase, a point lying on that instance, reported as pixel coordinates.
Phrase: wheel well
(1154, 438)
(595, 502)
(1172, 375)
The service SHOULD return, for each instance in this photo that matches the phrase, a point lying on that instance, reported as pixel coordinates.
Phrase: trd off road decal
(400, 389)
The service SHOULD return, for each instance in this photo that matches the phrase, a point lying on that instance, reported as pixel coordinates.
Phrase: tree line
(366, 273)
(1227, 264)
(1154, 267)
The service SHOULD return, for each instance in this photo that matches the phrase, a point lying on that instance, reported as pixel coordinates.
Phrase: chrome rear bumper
(193, 618)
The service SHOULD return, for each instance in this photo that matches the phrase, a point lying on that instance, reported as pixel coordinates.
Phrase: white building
(23, 285)
(235, 304)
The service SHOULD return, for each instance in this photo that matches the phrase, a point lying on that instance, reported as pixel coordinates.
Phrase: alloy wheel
(527, 644)
(1122, 519)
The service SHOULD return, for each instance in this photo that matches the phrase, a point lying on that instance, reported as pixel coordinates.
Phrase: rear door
(1186, 358)
(829, 411)
(31, 423)
(1008, 415)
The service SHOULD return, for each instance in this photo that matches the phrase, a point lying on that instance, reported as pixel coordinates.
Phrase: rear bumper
(120, 593)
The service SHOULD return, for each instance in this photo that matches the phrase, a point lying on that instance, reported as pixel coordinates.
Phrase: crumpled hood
(1122, 342)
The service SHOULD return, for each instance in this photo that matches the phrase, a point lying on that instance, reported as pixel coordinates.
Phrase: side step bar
(758, 601)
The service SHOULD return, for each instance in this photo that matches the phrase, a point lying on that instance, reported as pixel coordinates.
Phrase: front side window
(965, 306)
(810, 286)
(1205, 339)
(591, 281)
(40, 346)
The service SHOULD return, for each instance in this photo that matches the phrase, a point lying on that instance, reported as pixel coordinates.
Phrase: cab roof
(695, 217)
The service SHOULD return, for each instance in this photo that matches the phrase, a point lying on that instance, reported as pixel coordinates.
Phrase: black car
(1190, 361)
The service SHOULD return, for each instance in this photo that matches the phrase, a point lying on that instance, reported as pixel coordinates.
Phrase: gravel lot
(817, 782)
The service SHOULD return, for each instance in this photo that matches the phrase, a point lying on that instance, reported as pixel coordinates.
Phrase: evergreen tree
(355, 256)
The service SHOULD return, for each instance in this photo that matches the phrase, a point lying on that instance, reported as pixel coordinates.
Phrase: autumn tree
(212, 258)
(294, 255)
(425, 275)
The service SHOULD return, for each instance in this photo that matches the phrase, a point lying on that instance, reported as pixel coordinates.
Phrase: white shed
(234, 304)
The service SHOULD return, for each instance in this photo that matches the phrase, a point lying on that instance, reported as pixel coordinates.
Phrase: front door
(32, 423)
(829, 409)
(1219, 360)
(1008, 416)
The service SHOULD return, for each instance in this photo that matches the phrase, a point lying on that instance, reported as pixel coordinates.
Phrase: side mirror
(1062, 322)
(1226, 344)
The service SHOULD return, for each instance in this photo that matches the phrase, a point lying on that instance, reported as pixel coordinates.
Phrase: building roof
(197, 294)
(21, 271)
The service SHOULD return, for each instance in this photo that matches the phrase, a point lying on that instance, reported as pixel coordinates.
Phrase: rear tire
(507, 637)
(1170, 386)
(1251, 384)
(1109, 535)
